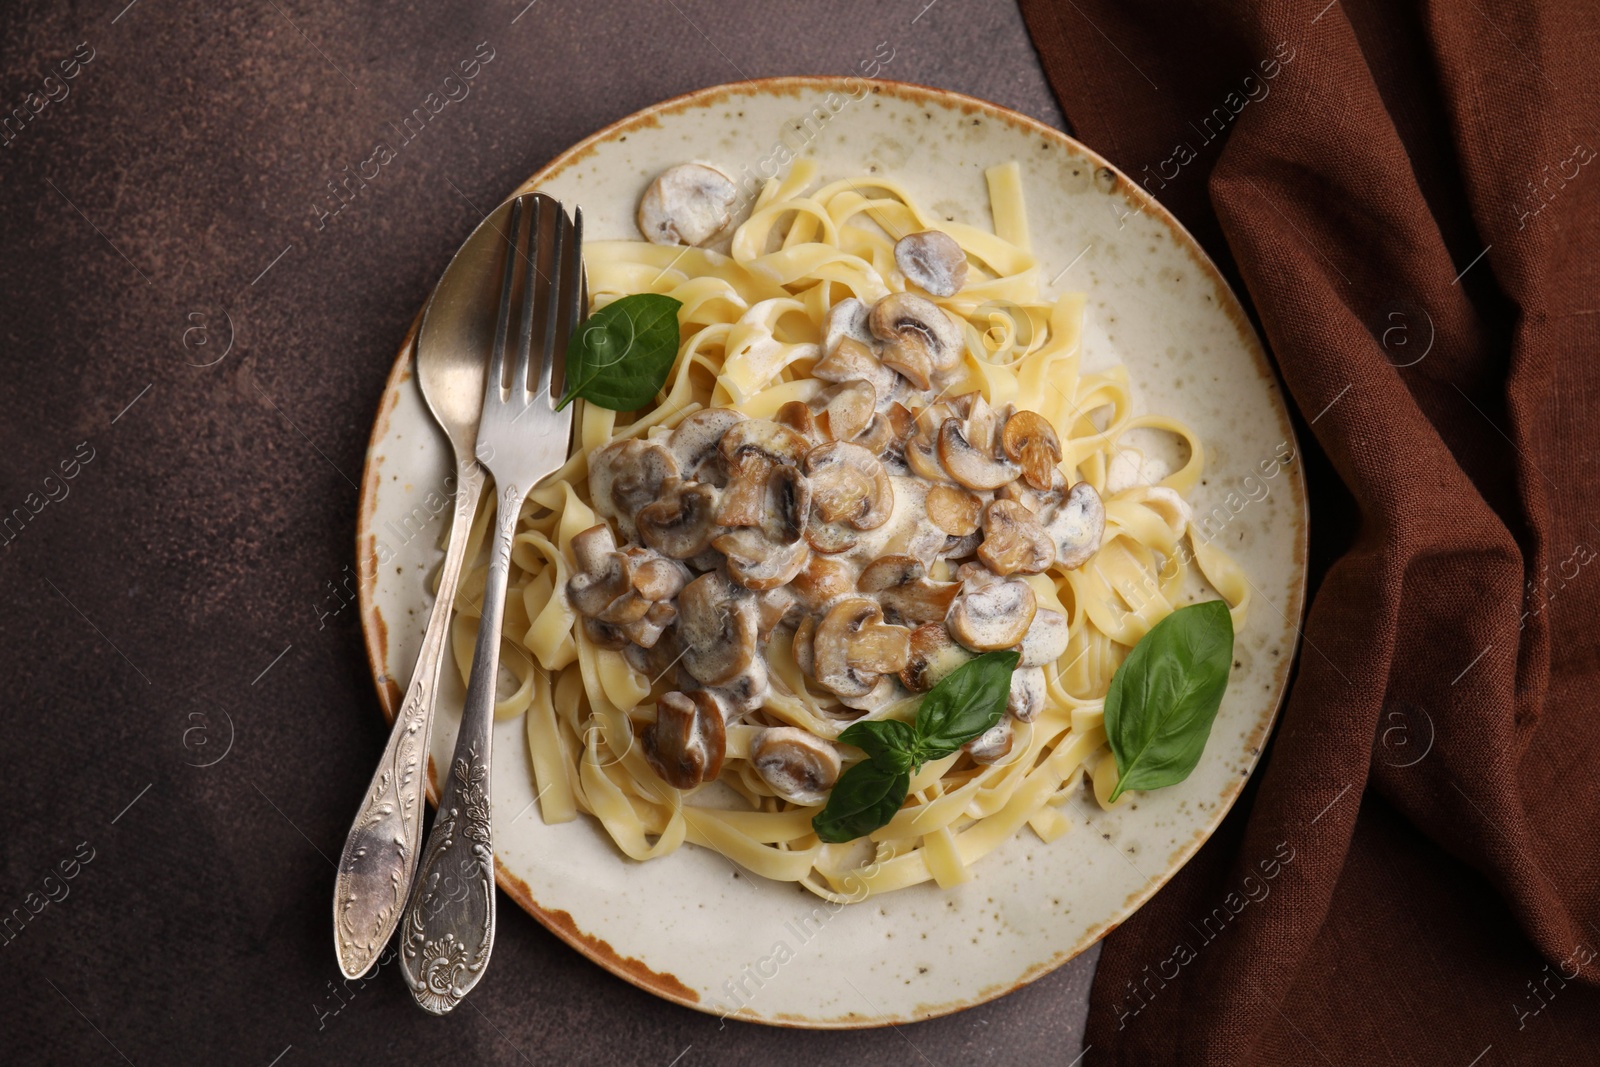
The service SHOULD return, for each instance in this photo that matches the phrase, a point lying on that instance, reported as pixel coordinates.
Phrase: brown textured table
(192, 365)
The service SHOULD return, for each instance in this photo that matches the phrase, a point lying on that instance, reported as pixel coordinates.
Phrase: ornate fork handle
(379, 858)
(449, 926)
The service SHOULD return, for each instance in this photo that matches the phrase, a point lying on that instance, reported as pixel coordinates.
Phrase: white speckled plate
(690, 928)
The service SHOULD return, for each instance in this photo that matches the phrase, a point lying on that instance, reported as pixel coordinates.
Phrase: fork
(449, 927)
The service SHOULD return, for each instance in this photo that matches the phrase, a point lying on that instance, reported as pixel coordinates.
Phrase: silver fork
(449, 927)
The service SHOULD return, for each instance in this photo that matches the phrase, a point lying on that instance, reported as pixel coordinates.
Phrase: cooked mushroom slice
(694, 444)
(993, 745)
(686, 205)
(970, 458)
(774, 607)
(821, 582)
(687, 741)
(1077, 525)
(1032, 442)
(799, 766)
(647, 630)
(1045, 640)
(751, 449)
(851, 359)
(591, 547)
(605, 635)
(593, 591)
(933, 260)
(919, 338)
(881, 695)
(845, 409)
(1040, 502)
(922, 454)
(655, 578)
(1013, 540)
(717, 623)
(993, 617)
(882, 436)
(654, 661)
(626, 475)
(902, 586)
(831, 538)
(847, 320)
(959, 548)
(746, 693)
(853, 646)
(1027, 694)
(934, 654)
(849, 484)
(803, 651)
(757, 562)
(681, 524)
(954, 510)
(798, 416)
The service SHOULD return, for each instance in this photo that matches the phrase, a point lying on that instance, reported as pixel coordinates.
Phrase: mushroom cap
(850, 358)
(686, 205)
(934, 654)
(682, 522)
(994, 617)
(849, 484)
(954, 510)
(852, 646)
(799, 766)
(902, 586)
(1046, 639)
(968, 461)
(717, 623)
(847, 320)
(747, 692)
(757, 562)
(993, 745)
(694, 443)
(593, 592)
(933, 260)
(1030, 440)
(1077, 525)
(798, 416)
(646, 631)
(908, 323)
(883, 693)
(605, 635)
(822, 581)
(922, 452)
(591, 547)
(686, 743)
(626, 475)
(751, 449)
(845, 409)
(1040, 502)
(1013, 540)
(1026, 699)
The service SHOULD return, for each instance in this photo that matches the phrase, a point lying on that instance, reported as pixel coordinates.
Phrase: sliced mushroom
(717, 623)
(821, 582)
(967, 449)
(751, 449)
(994, 617)
(853, 647)
(798, 416)
(849, 359)
(1037, 501)
(1076, 525)
(1031, 441)
(846, 320)
(1013, 540)
(686, 205)
(954, 510)
(694, 444)
(591, 547)
(655, 660)
(646, 631)
(933, 260)
(1045, 640)
(593, 591)
(682, 522)
(958, 548)
(804, 653)
(831, 538)
(934, 654)
(1026, 699)
(747, 692)
(654, 578)
(845, 409)
(799, 766)
(626, 475)
(922, 455)
(883, 693)
(993, 745)
(757, 562)
(686, 743)
(774, 607)
(902, 586)
(919, 338)
(605, 635)
(849, 484)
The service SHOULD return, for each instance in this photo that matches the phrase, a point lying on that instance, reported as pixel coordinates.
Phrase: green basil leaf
(888, 742)
(965, 703)
(865, 798)
(620, 356)
(1164, 697)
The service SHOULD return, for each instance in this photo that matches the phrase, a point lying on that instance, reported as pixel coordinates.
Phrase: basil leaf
(965, 703)
(888, 742)
(865, 798)
(620, 356)
(1164, 697)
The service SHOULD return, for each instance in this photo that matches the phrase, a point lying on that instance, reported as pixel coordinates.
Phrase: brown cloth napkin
(1409, 197)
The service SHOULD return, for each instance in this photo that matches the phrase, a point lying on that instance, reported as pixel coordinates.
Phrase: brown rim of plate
(375, 633)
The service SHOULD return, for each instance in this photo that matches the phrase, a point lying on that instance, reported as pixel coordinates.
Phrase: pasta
(752, 327)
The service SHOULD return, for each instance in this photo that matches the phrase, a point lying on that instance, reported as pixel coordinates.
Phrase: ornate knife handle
(449, 925)
(380, 852)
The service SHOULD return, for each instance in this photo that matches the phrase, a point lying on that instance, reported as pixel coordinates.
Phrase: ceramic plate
(692, 928)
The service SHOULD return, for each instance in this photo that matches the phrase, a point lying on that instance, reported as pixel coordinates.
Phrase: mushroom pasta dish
(846, 599)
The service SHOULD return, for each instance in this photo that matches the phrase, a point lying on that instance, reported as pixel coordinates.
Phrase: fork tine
(530, 292)
(497, 354)
(574, 295)
(554, 301)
